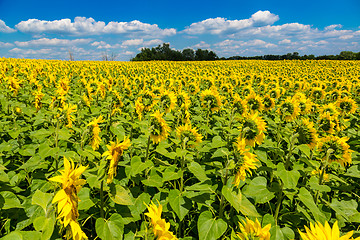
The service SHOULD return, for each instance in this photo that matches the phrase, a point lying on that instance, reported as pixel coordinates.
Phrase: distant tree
(109, 57)
(347, 55)
(188, 54)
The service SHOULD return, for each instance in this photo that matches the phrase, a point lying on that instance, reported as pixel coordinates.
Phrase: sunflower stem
(147, 149)
(222, 199)
(278, 204)
(102, 199)
(56, 144)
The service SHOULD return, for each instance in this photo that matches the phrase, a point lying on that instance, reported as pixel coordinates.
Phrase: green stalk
(147, 149)
(102, 199)
(278, 204)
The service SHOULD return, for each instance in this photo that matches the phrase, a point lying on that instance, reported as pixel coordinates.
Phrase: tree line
(164, 52)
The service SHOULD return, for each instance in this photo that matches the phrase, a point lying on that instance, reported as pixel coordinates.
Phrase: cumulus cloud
(201, 44)
(222, 25)
(5, 44)
(285, 41)
(133, 42)
(88, 26)
(52, 42)
(4, 28)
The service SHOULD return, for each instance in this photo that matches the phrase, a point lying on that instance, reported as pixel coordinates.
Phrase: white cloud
(30, 51)
(285, 41)
(52, 42)
(88, 26)
(133, 42)
(128, 53)
(4, 28)
(345, 37)
(201, 44)
(5, 44)
(153, 42)
(222, 25)
(332, 27)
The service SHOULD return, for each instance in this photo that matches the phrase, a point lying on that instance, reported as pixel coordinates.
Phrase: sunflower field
(179, 150)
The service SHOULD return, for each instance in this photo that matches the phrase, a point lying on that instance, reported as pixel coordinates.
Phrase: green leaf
(307, 199)
(344, 209)
(171, 173)
(45, 226)
(164, 152)
(42, 199)
(154, 180)
(16, 235)
(239, 202)
(137, 166)
(64, 134)
(196, 169)
(14, 133)
(139, 205)
(305, 149)
(257, 189)
(112, 229)
(210, 228)
(181, 205)
(221, 152)
(11, 201)
(289, 178)
(85, 202)
(217, 142)
(40, 134)
(120, 195)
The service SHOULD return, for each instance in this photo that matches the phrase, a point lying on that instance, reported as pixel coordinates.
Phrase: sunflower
(318, 93)
(274, 93)
(67, 197)
(289, 109)
(188, 135)
(114, 152)
(210, 99)
(246, 161)
(96, 140)
(346, 105)
(307, 133)
(268, 103)
(193, 88)
(318, 231)
(239, 105)
(254, 102)
(183, 100)
(329, 108)
(168, 100)
(158, 127)
(253, 230)
(327, 123)
(318, 173)
(159, 225)
(252, 129)
(335, 149)
(144, 102)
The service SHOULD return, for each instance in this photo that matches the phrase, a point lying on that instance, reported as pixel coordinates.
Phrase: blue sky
(50, 29)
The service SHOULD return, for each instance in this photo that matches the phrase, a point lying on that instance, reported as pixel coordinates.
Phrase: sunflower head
(253, 230)
(239, 105)
(158, 127)
(210, 99)
(317, 93)
(346, 105)
(188, 135)
(327, 123)
(168, 100)
(319, 231)
(307, 133)
(252, 129)
(289, 109)
(335, 149)
(254, 102)
(268, 103)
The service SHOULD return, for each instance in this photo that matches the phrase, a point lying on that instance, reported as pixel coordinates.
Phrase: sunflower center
(239, 108)
(267, 103)
(317, 94)
(337, 150)
(211, 101)
(166, 101)
(253, 104)
(156, 127)
(325, 124)
(305, 136)
(251, 129)
(287, 108)
(147, 100)
(345, 106)
(180, 100)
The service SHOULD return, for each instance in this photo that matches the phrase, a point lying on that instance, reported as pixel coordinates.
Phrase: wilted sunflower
(253, 230)
(252, 129)
(346, 105)
(210, 99)
(67, 197)
(318, 231)
(307, 133)
(114, 152)
(254, 102)
(335, 149)
(289, 109)
(160, 226)
(158, 127)
(188, 135)
(95, 140)
(246, 161)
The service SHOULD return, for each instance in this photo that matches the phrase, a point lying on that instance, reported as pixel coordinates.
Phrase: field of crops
(179, 150)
